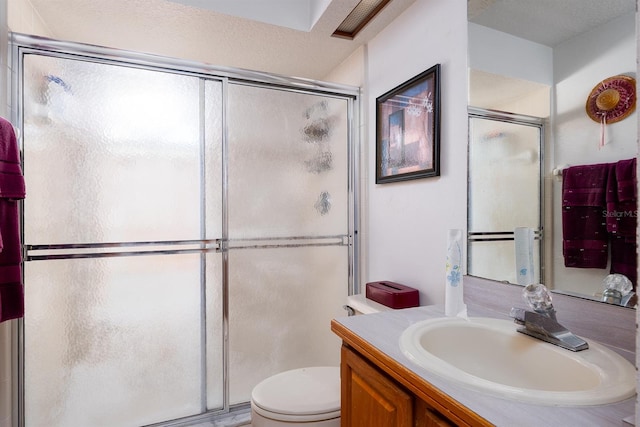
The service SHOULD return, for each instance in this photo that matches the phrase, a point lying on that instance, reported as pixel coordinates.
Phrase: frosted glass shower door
(186, 235)
(288, 231)
(119, 255)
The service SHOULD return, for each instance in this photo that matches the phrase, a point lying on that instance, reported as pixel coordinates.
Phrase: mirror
(539, 61)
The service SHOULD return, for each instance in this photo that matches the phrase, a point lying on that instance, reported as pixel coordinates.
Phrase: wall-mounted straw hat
(612, 99)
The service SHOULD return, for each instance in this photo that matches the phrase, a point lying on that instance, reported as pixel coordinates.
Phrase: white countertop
(383, 330)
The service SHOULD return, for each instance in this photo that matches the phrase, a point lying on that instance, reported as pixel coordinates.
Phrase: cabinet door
(426, 416)
(370, 398)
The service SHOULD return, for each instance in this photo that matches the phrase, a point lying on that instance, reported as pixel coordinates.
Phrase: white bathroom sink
(489, 355)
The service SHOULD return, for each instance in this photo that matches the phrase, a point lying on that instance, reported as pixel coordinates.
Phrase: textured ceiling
(296, 14)
(181, 31)
(548, 22)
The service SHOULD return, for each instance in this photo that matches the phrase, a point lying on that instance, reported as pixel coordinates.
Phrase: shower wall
(186, 235)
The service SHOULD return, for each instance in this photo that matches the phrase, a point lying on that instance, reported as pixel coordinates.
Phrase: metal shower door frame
(24, 45)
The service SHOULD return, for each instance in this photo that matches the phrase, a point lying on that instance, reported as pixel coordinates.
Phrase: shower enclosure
(188, 232)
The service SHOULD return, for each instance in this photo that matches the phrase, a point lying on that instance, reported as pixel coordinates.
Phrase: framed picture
(408, 129)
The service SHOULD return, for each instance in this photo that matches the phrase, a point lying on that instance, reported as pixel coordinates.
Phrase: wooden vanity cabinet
(372, 399)
(378, 391)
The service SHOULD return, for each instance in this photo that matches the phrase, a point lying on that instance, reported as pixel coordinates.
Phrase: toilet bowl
(305, 397)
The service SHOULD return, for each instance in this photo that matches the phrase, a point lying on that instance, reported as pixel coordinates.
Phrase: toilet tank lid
(304, 391)
(364, 305)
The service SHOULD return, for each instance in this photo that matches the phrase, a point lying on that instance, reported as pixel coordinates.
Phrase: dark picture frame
(408, 129)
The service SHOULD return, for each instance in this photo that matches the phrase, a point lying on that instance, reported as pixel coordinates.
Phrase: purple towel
(622, 205)
(12, 188)
(585, 185)
(584, 229)
(11, 179)
(622, 218)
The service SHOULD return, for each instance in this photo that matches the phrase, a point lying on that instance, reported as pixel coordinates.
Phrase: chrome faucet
(541, 323)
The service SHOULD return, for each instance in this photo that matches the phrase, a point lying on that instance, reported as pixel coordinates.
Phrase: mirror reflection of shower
(504, 192)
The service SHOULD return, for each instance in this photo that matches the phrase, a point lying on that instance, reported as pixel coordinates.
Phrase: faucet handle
(539, 299)
(537, 296)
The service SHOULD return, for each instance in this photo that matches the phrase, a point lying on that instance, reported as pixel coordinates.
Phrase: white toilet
(308, 397)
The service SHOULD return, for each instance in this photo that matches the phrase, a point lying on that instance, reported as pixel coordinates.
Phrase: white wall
(500, 53)
(24, 18)
(579, 64)
(408, 221)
